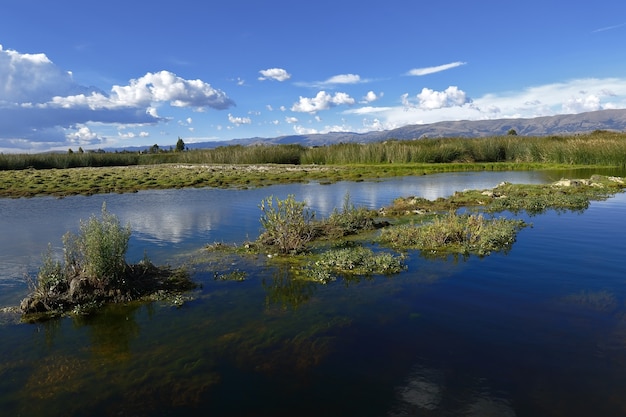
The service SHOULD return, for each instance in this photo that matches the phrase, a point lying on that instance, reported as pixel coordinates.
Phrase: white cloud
(159, 87)
(83, 136)
(373, 125)
(322, 101)
(239, 120)
(431, 70)
(589, 102)
(291, 120)
(341, 79)
(429, 99)
(573, 96)
(277, 74)
(344, 79)
(604, 29)
(32, 78)
(370, 97)
(40, 103)
(301, 130)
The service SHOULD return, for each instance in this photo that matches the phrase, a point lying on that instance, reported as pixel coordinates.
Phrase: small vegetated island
(94, 272)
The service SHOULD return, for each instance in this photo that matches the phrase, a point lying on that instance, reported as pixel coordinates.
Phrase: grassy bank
(254, 166)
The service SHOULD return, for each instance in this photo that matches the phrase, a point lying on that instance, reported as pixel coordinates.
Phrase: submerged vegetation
(94, 272)
(27, 175)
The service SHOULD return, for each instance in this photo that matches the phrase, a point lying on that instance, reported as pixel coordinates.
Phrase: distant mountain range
(613, 120)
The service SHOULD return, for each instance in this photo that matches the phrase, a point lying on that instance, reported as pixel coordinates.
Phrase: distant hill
(614, 120)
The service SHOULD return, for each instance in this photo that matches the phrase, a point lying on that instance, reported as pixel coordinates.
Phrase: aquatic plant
(94, 271)
(457, 233)
(353, 260)
(287, 224)
(349, 220)
(531, 198)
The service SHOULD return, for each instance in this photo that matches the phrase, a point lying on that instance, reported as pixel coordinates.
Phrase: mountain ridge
(565, 124)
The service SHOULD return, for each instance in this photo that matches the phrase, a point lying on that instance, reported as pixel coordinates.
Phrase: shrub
(287, 224)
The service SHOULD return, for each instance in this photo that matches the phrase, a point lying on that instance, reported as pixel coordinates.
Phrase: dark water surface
(539, 331)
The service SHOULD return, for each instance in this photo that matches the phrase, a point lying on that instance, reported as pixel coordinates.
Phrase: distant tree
(512, 132)
(154, 148)
(80, 149)
(70, 151)
(180, 145)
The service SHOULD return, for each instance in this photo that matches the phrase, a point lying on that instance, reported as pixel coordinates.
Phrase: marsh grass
(455, 233)
(597, 148)
(600, 148)
(353, 260)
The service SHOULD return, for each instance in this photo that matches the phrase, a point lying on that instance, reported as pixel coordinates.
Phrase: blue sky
(118, 73)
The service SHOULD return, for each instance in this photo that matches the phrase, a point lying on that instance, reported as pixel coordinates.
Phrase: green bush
(287, 224)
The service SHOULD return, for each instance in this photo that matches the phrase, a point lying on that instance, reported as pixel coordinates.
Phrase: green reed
(596, 148)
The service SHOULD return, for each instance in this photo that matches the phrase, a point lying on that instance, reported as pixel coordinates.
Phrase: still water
(538, 331)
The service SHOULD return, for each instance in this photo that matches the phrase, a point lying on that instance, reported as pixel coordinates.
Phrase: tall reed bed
(238, 154)
(597, 148)
(67, 160)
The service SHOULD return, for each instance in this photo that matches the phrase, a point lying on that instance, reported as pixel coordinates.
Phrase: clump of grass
(455, 233)
(350, 220)
(99, 250)
(353, 260)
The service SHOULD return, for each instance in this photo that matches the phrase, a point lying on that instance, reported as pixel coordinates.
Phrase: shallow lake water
(540, 330)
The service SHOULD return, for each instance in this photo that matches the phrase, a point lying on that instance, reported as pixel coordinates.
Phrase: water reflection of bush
(111, 331)
(285, 291)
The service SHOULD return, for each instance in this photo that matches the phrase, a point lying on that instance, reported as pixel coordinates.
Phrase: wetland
(536, 330)
(365, 315)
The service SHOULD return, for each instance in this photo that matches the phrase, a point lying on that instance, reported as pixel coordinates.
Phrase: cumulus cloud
(431, 70)
(322, 101)
(32, 78)
(239, 120)
(277, 74)
(291, 120)
(370, 97)
(84, 136)
(159, 87)
(39, 102)
(585, 103)
(429, 99)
